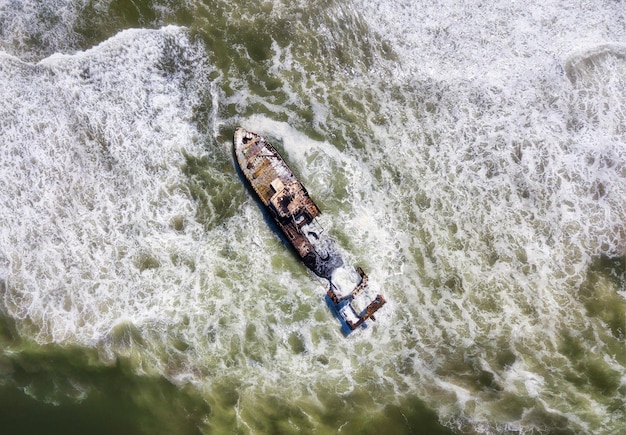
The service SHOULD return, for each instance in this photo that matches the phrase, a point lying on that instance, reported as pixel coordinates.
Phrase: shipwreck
(292, 209)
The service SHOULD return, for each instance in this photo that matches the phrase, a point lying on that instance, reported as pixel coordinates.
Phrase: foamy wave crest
(94, 195)
(597, 120)
(33, 29)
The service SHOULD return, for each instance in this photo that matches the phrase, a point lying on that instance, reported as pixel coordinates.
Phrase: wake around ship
(294, 212)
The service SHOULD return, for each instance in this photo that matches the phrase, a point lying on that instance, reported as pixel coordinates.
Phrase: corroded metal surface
(293, 210)
(283, 195)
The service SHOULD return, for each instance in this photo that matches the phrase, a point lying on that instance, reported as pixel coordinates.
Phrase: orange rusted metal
(279, 190)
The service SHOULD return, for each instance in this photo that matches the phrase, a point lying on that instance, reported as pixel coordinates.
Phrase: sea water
(471, 157)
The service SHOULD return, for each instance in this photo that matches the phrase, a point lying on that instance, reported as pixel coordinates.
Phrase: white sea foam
(509, 141)
(345, 280)
(91, 161)
(33, 30)
(32, 26)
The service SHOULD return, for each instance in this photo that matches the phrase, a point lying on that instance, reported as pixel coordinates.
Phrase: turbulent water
(471, 157)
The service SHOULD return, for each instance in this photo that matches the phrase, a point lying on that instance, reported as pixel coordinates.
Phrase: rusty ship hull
(285, 198)
(292, 209)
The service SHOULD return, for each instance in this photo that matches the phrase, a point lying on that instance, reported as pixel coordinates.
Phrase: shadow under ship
(294, 212)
